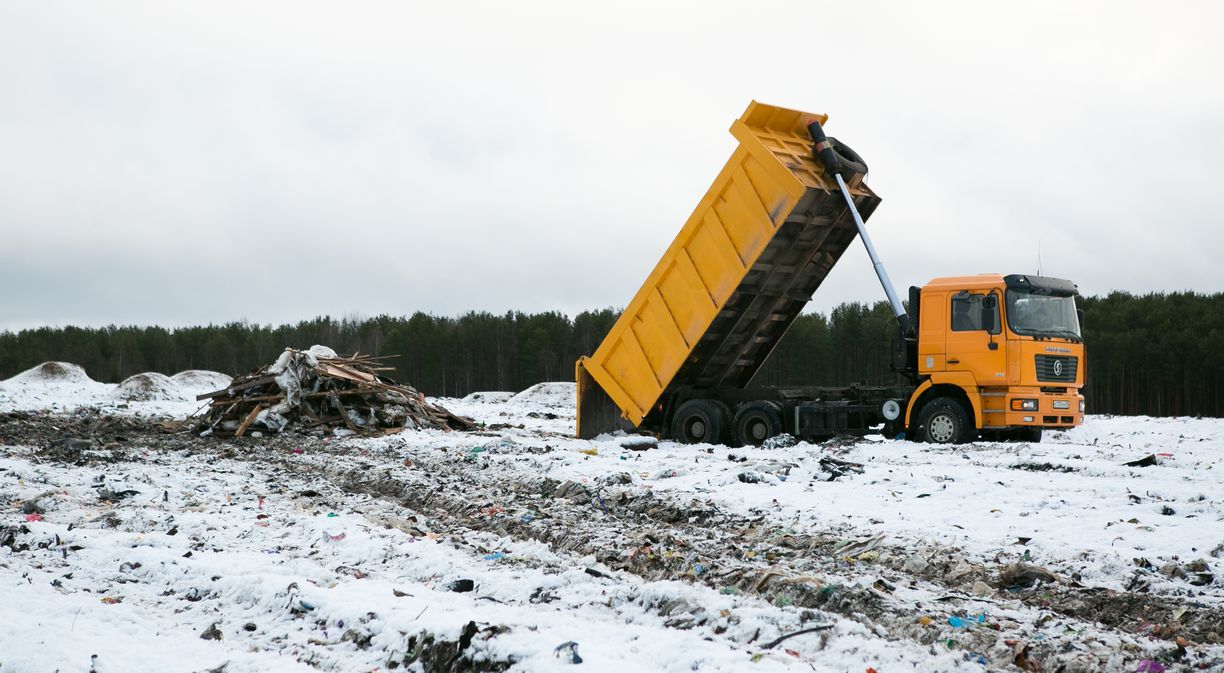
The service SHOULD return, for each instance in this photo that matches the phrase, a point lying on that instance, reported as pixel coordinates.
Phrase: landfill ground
(516, 547)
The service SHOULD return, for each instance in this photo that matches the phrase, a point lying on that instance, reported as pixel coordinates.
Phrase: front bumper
(1048, 413)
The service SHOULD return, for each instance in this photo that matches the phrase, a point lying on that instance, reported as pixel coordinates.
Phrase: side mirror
(1079, 314)
(990, 314)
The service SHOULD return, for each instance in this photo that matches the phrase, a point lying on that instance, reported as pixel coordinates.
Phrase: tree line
(1156, 354)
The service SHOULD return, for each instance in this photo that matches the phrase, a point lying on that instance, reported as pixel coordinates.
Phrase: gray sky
(185, 163)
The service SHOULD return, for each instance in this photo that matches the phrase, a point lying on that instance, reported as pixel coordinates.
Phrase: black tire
(852, 163)
(700, 422)
(944, 421)
(756, 422)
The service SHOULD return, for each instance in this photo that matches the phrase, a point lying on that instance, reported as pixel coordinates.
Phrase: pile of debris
(319, 391)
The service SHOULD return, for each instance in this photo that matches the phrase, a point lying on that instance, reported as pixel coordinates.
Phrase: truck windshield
(1042, 315)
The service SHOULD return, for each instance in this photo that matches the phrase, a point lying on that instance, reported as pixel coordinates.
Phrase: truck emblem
(1058, 368)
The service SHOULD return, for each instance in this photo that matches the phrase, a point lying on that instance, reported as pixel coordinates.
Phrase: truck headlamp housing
(1024, 405)
(1081, 406)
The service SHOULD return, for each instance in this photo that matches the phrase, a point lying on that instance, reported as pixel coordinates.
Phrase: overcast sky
(186, 163)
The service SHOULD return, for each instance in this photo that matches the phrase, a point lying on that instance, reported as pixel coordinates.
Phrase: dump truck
(992, 354)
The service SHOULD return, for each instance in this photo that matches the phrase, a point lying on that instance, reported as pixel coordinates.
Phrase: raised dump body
(758, 245)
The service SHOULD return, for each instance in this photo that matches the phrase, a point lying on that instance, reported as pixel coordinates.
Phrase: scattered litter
(857, 547)
(962, 622)
(590, 451)
(639, 443)
(1150, 666)
(782, 441)
(461, 586)
(495, 556)
(211, 633)
(1146, 461)
(568, 652)
(34, 517)
(775, 642)
(839, 468)
(1024, 575)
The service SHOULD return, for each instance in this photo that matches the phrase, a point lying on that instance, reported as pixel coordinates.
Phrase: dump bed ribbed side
(753, 252)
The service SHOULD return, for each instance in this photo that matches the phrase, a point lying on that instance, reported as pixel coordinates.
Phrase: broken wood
(314, 391)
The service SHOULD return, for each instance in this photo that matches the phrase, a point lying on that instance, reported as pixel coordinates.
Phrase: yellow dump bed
(753, 252)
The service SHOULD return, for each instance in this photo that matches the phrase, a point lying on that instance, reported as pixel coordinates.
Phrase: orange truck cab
(999, 354)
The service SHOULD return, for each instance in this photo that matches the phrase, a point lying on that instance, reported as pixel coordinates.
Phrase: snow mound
(197, 381)
(554, 395)
(149, 386)
(52, 372)
(489, 397)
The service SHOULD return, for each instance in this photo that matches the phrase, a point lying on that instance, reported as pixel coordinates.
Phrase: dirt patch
(1042, 467)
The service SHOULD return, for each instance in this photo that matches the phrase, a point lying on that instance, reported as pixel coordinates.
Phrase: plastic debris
(781, 441)
(858, 547)
(568, 652)
(962, 622)
(1150, 666)
(590, 452)
(461, 586)
(495, 556)
(1146, 461)
(33, 517)
(639, 443)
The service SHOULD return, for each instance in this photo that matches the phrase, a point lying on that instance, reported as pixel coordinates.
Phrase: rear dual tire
(756, 422)
(701, 422)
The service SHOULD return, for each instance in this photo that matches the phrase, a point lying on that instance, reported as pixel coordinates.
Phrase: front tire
(944, 422)
(700, 422)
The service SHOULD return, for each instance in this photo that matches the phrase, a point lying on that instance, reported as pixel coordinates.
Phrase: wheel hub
(697, 428)
(942, 428)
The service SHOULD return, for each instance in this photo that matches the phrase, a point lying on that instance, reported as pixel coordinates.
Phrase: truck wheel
(700, 422)
(943, 422)
(756, 422)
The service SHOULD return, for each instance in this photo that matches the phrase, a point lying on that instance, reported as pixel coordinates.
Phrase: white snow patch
(199, 381)
(149, 387)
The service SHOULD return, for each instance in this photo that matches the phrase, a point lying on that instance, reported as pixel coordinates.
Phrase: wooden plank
(246, 423)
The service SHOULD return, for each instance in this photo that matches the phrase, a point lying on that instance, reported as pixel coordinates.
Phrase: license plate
(1062, 404)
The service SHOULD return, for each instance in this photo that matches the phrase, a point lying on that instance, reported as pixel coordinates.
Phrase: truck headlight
(1081, 406)
(1024, 405)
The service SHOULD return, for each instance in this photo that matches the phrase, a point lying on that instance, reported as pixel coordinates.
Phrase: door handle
(954, 362)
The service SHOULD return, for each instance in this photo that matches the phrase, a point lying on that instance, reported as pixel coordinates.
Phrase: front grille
(1057, 367)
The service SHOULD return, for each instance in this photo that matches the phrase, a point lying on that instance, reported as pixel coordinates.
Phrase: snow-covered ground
(122, 548)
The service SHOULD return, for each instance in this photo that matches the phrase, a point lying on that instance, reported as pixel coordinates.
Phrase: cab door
(974, 341)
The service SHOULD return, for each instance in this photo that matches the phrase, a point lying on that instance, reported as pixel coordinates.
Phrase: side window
(967, 313)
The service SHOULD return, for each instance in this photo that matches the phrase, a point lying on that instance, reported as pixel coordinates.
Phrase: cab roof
(1015, 281)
